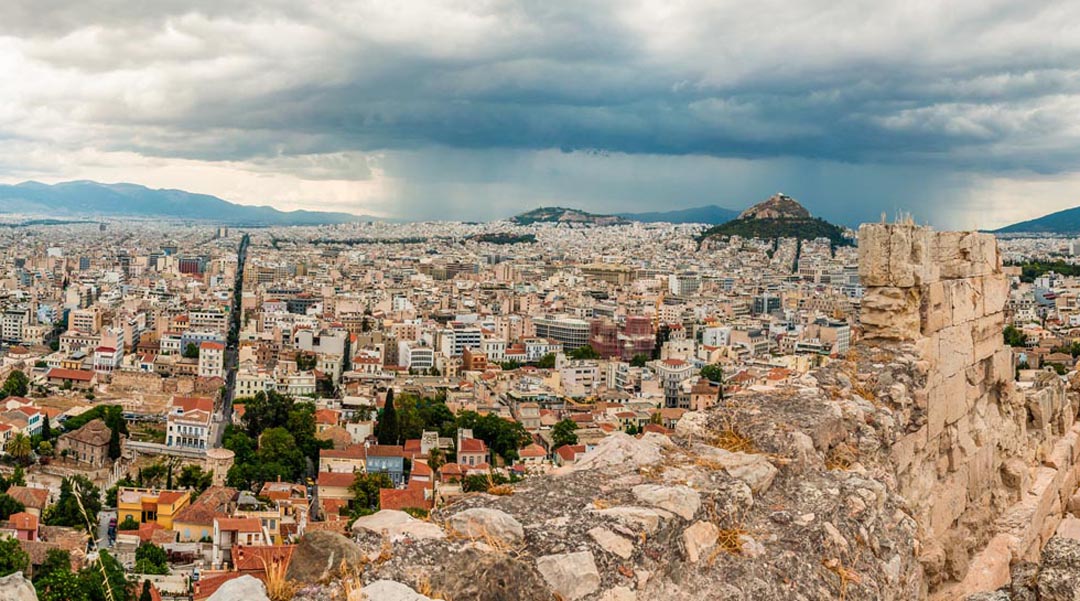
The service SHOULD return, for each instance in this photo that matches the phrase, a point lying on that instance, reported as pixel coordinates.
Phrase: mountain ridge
(88, 198)
(1065, 221)
(707, 214)
(779, 216)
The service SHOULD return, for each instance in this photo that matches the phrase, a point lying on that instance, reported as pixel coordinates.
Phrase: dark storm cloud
(802, 88)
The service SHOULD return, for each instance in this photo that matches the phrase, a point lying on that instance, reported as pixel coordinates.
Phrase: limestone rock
(571, 575)
(388, 590)
(319, 555)
(693, 424)
(397, 524)
(619, 593)
(612, 543)
(483, 523)
(620, 450)
(17, 587)
(244, 588)
(1059, 574)
(699, 539)
(752, 468)
(683, 501)
(646, 518)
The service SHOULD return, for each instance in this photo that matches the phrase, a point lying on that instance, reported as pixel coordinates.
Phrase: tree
(45, 448)
(60, 585)
(129, 523)
(152, 475)
(46, 429)
(713, 373)
(191, 351)
(114, 490)
(387, 429)
(145, 595)
(639, 360)
(151, 559)
(563, 433)
(8, 506)
(547, 361)
(19, 447)
(67, 512)
(55, 560)
(94, 583)
(1014, 337)
(12, 557)
(194, 478)
(114, 443)
(584, 352)
(365, 491)
(16, 384)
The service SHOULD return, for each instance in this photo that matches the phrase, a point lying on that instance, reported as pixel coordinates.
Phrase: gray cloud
(601, 103)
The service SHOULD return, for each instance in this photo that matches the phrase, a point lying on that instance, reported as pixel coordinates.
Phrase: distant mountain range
(779, 216)
(710, 215)
(565, 215)
(93, 199)
(1062, 222)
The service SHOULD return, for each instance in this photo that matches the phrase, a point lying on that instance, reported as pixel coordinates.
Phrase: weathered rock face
(388, 590)
(16, 587)
(320, 555)
(244, 588)
(397, 524)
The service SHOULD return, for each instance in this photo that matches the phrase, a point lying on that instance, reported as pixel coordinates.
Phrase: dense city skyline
(959, 114)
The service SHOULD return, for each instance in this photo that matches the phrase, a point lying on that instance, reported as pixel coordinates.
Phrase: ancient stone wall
(986, 467)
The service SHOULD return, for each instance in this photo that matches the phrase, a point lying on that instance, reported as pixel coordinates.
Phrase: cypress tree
(145, 596)
(388, 422)
(46, 429)
(114, 443)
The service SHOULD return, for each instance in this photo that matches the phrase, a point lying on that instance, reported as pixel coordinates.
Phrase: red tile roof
(390, 498)
(335, 479)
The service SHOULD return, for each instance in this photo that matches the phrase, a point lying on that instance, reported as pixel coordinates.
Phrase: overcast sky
(965, 113)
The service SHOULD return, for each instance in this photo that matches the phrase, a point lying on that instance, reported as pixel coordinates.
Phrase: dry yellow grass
(844, 574)
(841, 457)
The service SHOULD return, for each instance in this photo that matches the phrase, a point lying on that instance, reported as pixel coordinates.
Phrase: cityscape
(347, 300)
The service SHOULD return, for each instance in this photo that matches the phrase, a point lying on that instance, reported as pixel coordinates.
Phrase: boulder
(319, 555)
(619, 593)
(694, 424)
(388, 590)
(487, 525)
(244, 588)
(570, 575)
(396, 525)
(622, 451)
(16, 587)
(752, 468)
(683, 501)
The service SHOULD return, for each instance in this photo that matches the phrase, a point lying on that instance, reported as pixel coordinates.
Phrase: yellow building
(144, 505)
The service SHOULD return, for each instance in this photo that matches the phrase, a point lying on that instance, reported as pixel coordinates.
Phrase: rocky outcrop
(244, 588)
(16, 587)
(322, 554)
(388, 590)
(397, 524)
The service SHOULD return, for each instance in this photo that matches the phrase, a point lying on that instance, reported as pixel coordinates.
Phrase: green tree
(1014, 337)
(19, 447)
(8, 506)
(151, 559)
(46, 429)
(55, 560)
(114, 443)
(191, 351)
(584, 352)
(713, 373)
(66, 512)
(152, 475)
(12, 557)
(16, 384)
(129, 523)
(365, 492)
(145, 595)
(387, 429)
(639, 360)
(114, 490)
(61, 585)
(45, 448)
(195, 478)
(94, 583)
(563, 433)
(547, 361)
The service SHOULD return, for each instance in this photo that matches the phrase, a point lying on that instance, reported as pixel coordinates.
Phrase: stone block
(989, 569)
(986, 335)
(904, 449)
(964, 299)
(935, 312)
(948, 503)
(893, 254)
(995, 293)
(955, 349)
(965, 254)
(981, 473)
(948, 401)
(891, 313)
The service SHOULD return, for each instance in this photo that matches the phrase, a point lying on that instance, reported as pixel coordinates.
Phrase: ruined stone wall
(986, 467)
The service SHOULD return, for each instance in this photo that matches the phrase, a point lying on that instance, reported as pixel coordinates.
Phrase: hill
(93, 199)
(780, 216)
(1061, 222)
(711, 214)
(565, 215)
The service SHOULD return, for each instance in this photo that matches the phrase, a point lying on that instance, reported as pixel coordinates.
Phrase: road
(231, 348)
(103, 527)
